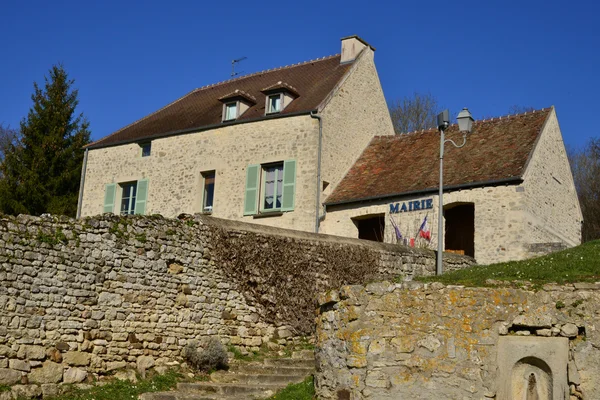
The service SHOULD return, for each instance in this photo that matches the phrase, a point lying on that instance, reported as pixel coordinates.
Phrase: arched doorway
(460, 228)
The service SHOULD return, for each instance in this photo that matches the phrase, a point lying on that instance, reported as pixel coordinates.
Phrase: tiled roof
(497, 150)
(201, 108)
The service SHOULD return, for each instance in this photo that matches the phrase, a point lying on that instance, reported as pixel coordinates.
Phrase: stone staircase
(245, 380)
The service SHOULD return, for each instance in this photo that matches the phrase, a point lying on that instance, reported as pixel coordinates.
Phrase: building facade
(508, 194)
(264, 148)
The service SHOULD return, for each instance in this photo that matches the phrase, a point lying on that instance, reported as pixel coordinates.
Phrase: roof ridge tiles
(263, 72)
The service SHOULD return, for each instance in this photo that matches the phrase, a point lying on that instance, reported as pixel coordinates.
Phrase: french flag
(424, 230)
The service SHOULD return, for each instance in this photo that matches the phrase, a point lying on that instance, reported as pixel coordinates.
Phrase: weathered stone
(54, 355)
(144, 363)
(62, 346)
(109, 299)
(533, 321)
(544, 332)
(50, 373)
(111, 366)
(573, 373)
(50, 390)
(74, 375)
(430, 342)
(19, 365)
(31, 352)
(569, 330)
(77, 358)
(126, 375)
(26, 391)
(9, 376)
(175, 268)
(377, 379)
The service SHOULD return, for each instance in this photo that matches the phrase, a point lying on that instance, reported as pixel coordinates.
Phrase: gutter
(495, 182)
(313, 114)
(197, 129)
(81, 183)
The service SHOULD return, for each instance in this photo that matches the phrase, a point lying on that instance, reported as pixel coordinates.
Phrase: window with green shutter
(110, 192)
(270, 187)
(141, 197)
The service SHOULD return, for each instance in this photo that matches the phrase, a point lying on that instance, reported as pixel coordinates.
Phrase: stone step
(230, 389)
(270, 379)
(304, 354)
(271, 370)
(288, 362)
(175, 395)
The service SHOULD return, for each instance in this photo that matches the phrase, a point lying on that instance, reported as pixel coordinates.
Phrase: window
(146, 149)
(230, 111)
(209, 191)
(128, 198)
(274, 104)
(270, 187)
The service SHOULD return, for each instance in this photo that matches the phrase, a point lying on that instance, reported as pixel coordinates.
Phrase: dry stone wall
(430, 341)
(80, 297)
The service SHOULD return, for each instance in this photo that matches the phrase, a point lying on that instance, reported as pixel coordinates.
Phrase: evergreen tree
(41, 172)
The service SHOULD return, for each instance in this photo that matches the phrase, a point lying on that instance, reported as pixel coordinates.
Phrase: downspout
(81, 183)
(313, 114)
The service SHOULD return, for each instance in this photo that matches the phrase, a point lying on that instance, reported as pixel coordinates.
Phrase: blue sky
(130, 58)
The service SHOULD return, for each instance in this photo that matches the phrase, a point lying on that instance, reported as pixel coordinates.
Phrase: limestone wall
(430, 341)
(103, 293)
(550, 198)
(355, 113)
(174, 169)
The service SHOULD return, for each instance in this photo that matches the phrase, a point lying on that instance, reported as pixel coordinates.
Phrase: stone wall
(174, 169)
(550, 197)
(430, 341)
(103, 293)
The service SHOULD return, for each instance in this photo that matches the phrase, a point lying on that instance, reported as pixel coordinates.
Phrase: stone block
(9, 376)
(113, 365)
(569, 330)
(76, 358)
(19, 365)
(26, 391)
(31, 352)
(49, 373)
(50, 390)
(74, 375)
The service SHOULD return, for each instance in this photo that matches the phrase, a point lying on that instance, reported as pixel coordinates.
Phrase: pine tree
(41, 173)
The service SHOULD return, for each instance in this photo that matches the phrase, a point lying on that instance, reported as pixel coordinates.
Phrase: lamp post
(465, 124)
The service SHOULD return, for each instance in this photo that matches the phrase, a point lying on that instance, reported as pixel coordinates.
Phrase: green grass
(299, 391)
(4, 388)
(118, 390)
(577, 264)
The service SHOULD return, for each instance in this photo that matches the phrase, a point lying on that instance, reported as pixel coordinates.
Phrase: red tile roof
(496, 150)
(201, 108)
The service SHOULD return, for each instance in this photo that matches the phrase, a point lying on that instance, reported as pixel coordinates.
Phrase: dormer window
(278, 97)
(230, 111)
(274, 102)
(235, 104)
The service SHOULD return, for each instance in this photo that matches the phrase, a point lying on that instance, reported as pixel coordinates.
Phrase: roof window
(235, 104)
(278, 97)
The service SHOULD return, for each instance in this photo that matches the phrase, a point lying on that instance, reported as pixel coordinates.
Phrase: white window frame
(263, 187)
(208, 174)
(131, 199)
(268, 105)
(237, 110)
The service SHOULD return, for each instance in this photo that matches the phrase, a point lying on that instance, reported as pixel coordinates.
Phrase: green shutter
(252, 186)
(289, 185)
(110, 191)
(141, 196)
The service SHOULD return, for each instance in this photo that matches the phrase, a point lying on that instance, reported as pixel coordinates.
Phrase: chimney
(351, 48)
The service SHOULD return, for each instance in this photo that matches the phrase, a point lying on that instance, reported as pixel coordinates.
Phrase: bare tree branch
(414, 113)
(585, 164)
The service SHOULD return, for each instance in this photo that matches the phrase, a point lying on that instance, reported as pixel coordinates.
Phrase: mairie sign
(415, 205)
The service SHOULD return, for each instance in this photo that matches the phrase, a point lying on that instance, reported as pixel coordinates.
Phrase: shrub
(211, 356)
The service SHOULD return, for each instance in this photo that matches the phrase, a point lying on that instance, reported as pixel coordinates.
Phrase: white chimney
(351, 48)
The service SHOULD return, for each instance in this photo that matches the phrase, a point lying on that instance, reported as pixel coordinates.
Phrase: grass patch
(124, 389)
(299, 391)
(577, 264)
(4, 388)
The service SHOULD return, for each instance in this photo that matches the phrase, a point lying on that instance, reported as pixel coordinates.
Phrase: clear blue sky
(130, 58)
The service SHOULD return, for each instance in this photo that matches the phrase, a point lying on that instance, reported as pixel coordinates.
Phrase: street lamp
(465, 124)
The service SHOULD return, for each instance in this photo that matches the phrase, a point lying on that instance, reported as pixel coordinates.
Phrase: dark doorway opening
(460, 228)
(371, 227)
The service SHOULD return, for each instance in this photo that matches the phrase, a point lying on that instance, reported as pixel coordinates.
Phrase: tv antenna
(233, 62)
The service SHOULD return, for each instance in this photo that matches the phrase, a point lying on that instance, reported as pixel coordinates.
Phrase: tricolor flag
(424, 230)
(396, 229)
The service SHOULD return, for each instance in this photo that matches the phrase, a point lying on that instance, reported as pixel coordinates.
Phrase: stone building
(508, 194)
(264, 148)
